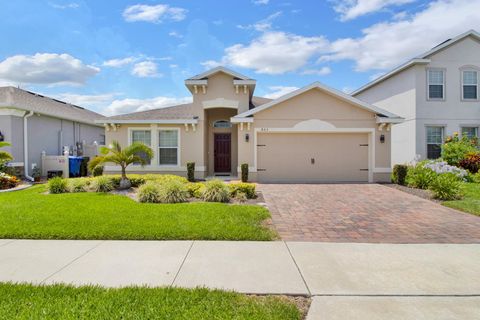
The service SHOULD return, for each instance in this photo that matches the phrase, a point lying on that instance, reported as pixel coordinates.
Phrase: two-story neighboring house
(436, 93)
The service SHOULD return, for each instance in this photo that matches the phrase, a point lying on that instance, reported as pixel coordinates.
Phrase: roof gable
(333, 92)
(420, 59)
(213, 71)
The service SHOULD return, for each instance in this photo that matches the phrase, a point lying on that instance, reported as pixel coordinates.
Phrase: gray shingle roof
(182, 111)
(29, 101)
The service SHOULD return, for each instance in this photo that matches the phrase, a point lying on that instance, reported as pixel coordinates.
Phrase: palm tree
(123, 157)
(4, 155)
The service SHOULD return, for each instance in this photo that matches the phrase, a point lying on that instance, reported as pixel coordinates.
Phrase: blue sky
(123, 56)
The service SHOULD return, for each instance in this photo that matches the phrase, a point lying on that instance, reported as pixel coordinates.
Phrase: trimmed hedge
(246, 188)
(399, 174)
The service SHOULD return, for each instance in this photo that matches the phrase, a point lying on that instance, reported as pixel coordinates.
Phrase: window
(470, 132)
(222, 124)
(470, 85)
(436, 83)
(434, 142)
(168, 147)
(102, 140)
(145, 137)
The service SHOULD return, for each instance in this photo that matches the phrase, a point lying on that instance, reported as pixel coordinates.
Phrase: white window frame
(443, 84)
(178, 146)
(469, 126)
(130, 139)
(221, 120)
(462, 70)
(426, 136)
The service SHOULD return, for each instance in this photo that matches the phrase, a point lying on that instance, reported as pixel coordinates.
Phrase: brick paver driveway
(364, 213)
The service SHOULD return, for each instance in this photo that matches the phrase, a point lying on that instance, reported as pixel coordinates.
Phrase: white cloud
(274, 52)
(278, 91)
(153, 13)
(133, 105)
(260, 2)
(71, 5)
(262, 25)
(86, 100)
(387, 44)
(318, 72)
(46, 68)
(116, 63)
(146, 69)
(210, 64)
(175, 34)
(351, 9)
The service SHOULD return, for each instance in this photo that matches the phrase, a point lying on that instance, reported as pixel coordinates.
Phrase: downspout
(25, 145)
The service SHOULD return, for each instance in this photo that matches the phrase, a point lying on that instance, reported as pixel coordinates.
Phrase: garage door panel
(312, 157)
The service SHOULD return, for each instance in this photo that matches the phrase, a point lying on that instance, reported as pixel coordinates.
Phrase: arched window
(222, 124)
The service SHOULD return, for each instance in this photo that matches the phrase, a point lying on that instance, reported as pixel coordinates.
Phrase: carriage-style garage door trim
(369, 131)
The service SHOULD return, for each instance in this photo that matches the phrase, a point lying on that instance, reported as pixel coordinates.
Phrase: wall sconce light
(2, 137)
(247, 137)
(382, 138)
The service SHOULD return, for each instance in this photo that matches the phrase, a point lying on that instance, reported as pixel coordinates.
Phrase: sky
(124, 56)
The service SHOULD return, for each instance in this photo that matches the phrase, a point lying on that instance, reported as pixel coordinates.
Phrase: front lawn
(33, 214)
(471, 200)
(66, 302)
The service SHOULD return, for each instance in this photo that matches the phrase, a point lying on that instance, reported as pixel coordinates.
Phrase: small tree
(122, 157)
(4, 155)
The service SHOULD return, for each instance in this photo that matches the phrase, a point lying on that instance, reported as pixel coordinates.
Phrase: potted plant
(36, 174)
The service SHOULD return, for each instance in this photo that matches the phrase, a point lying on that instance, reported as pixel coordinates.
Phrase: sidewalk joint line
(181, 265)
(71, 262)
(298, 268)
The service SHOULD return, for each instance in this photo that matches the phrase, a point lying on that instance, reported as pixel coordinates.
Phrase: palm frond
(4, 144)
(95, 162)
(138, 148)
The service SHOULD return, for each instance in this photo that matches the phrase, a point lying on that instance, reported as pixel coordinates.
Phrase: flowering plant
(441, 167)
(7, 181)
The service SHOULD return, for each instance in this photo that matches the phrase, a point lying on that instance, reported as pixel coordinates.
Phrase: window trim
(426, 136)
(462, 70)
(130, 140)
(444, 85)
(178, 146)
(221, 120)
(468, 126)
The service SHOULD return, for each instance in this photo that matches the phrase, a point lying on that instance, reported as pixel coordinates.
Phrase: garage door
(312, 157)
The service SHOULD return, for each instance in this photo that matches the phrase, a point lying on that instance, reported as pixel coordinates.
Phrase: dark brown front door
(222, 154)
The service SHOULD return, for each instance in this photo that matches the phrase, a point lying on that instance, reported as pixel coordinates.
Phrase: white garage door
(312, 157)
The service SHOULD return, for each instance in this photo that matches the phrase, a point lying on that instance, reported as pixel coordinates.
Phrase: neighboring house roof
(30, 101)
(420, 59)
(339, 94)
(180, 112)
(208, 73)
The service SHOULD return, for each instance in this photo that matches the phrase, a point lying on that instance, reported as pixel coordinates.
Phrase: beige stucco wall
(314, 110)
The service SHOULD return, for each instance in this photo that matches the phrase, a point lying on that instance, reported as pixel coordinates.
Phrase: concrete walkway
(417, 279)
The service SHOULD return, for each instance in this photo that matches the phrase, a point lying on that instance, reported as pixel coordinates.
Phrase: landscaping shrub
(441, 167)
(195, 190)
(7, 181)
(244, 168)
(419, 177)
(173, 192)
(456, 149)
(149, 193)
(78, 185)
(57, 185)
(247, 188)
(191, 171)
(241, 197)
(102, 184)
(446, 187)
(97, 171)
(471, 162)
(216, 191)
(165, 178)
(135, 180)
(399, 174)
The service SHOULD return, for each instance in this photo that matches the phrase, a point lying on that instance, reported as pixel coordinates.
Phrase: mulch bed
(424, 194)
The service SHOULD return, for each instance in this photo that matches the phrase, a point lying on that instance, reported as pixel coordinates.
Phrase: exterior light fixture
(382, 138)
(247, 137)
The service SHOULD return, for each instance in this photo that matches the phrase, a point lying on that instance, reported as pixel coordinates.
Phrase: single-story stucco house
(33, 124)
(314, 134)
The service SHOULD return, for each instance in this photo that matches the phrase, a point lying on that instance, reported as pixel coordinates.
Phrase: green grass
(33, 214)
(66, 302)
(471, 200)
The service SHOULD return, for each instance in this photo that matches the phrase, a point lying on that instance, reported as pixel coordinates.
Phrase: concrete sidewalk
(329, 271)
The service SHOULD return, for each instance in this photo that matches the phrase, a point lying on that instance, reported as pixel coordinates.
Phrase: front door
(222, 152)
